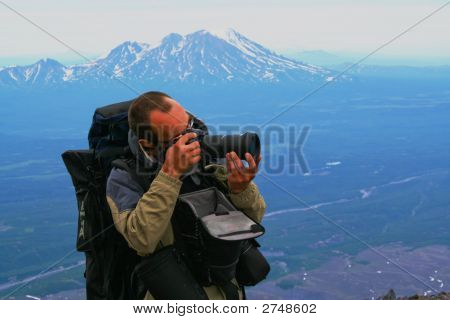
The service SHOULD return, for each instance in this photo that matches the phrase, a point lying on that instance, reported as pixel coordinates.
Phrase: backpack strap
(129, 165)
(230, 290)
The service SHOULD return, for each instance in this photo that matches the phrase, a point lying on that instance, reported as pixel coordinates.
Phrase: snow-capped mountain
(108, 66)
(45, 71)
(200, 57)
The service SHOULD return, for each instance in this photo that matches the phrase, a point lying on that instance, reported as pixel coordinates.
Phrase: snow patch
(365, 193)
(12, 75)
(225, 68)
(268, 75)
(68, 74)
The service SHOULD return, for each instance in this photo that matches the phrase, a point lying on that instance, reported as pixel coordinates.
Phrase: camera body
(200, 134)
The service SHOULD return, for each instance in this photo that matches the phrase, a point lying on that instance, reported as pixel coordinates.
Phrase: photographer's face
(166, 125)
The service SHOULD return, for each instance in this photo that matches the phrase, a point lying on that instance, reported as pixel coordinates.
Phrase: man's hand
(239, 177)
(180, 157)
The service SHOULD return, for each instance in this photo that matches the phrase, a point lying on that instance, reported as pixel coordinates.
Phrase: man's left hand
(239, 176)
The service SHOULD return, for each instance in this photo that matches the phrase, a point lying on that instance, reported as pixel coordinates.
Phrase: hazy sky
(345, 27)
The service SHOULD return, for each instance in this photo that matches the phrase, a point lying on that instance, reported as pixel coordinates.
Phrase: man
(143, 217)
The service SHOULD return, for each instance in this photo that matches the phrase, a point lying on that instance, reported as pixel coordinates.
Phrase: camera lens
(217, 146)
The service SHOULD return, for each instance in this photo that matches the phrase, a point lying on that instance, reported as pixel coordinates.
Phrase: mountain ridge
(201, 57)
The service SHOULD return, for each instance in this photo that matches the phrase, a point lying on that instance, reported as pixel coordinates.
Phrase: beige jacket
(144, 219)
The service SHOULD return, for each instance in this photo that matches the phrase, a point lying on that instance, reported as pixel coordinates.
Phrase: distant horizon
(68, 60)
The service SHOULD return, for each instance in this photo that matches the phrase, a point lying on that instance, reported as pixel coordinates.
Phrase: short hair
(140, 108)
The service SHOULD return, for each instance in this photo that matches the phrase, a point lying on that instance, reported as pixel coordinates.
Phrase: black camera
(216, 147)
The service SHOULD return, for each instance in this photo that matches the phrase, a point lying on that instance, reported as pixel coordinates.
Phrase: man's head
(155, 118)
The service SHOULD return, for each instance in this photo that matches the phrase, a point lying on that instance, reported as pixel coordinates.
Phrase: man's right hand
(180, 157)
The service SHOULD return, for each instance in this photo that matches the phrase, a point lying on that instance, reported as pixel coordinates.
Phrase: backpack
(109, 259)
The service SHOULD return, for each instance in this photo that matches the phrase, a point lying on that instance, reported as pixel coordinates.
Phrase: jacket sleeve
(142, 217)
(250, 201)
